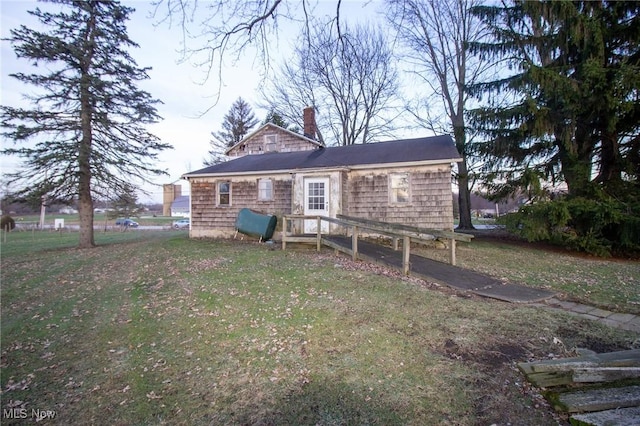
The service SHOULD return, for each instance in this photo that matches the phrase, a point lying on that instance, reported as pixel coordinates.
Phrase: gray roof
(430, 149)
(181, 202)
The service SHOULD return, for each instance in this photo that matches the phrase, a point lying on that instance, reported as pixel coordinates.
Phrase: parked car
(127, 222)
(181, 224)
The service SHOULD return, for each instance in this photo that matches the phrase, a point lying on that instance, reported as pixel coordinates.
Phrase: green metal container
(256, 224)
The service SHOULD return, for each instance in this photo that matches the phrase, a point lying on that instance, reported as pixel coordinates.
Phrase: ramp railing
(294, 224)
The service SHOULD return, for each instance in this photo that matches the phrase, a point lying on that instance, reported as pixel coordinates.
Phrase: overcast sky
(189, 107)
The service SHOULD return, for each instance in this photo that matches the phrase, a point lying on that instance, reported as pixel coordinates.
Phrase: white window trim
(218, 193)
(392, 201)
(261, 189)
(270, 140)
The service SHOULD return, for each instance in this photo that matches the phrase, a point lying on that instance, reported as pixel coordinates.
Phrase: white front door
(316, 203)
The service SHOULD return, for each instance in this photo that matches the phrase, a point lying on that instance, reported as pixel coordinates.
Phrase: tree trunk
(575, 159)
(85, 201)
(610, 161)
(464, 196)
(464, 193)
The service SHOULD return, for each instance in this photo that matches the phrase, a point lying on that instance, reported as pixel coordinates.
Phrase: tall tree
(347, 74)
(88, 116)
(124, 204)
(276, 118)
(436, 34)
(237, 123)
(575, 105)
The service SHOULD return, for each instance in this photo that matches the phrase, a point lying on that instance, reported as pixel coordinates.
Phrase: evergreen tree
(237, 123)
(125, 204)
(88, 115)
(572, 117)
(575, 97)
(276, 118)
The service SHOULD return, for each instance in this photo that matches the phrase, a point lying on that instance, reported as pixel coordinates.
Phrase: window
(224, 193)
(270, 143)
(315, 198)
(399, 188)
(265, 189)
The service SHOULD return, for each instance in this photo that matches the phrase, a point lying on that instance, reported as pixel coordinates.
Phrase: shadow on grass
(322, 402)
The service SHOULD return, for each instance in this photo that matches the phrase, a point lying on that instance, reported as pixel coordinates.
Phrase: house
(180, 206)
(403, 181)
(271, 138)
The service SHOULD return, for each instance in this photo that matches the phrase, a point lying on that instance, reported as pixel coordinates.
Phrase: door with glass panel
(316, 203)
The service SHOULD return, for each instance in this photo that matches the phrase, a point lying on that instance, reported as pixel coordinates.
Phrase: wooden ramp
(597, 389)
(443, 273)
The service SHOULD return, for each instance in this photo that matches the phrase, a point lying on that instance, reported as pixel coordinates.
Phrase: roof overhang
(188, 176)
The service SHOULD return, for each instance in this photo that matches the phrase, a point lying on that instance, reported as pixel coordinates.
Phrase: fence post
(406, 254)
(354, 243)
(452, 251)
(319, 234)
(284, 232)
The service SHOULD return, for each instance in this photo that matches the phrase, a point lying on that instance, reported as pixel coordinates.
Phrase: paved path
(484, 285)
(624, 321)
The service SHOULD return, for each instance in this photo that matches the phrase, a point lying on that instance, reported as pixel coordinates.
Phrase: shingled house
(404, 181)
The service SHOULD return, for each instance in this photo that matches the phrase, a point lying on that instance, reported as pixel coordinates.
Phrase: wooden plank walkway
(443, 273)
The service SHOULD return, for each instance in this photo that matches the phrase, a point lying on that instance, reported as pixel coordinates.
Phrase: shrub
(601, 227)
(7, 223)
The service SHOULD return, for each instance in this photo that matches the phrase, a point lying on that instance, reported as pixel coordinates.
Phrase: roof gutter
(187, 176)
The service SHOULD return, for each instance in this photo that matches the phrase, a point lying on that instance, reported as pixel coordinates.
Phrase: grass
(154, 328)
(98, 219)
(611, 284)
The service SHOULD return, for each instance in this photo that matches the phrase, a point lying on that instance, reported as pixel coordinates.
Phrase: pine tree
(87, 118)
(575, 95)
(237, 123)
(573, 117)
(124, 204)
(276, 118)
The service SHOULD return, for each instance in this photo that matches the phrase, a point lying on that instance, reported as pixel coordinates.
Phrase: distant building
(180, 206)
(169, 193)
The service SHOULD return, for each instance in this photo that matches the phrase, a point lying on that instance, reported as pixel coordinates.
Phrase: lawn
(154, 328)
(612, 284)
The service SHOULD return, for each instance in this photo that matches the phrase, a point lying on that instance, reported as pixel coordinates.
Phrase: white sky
(177, 85)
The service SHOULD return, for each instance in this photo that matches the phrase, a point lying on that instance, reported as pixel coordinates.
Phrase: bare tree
(288, 99)
(436, 34)
(213, 31)
(347, 74)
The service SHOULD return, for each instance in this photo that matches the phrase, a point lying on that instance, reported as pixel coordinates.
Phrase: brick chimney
(309, 119)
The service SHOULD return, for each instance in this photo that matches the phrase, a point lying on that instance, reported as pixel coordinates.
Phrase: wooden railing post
(452, 251)
(284, 232)
(354, 243)
(319, 234)
(406, 254)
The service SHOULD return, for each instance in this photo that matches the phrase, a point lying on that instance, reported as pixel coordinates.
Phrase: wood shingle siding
(285, 141)
(430, 204)
(212, 220)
